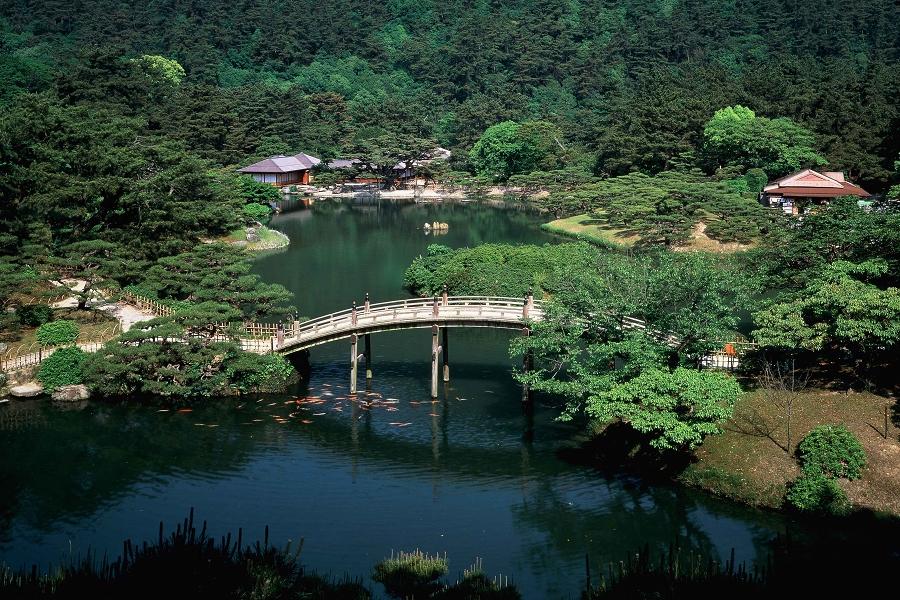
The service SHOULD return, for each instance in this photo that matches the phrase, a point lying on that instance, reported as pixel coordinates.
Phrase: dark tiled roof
(283, 164)
(343, 163)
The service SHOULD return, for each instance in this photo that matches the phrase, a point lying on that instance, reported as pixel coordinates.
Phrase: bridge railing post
(527, 365)
(528, 305)
(435, 309)
(279, 334)
(445, 296)
(353, 314)
(367, 302)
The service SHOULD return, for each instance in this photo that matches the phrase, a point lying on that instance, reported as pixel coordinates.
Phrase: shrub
(832, 450)
(33, 315)
(260, 373)
(411, 574)
(63, 367)
(756, 180)
(256, 192)
(257, 212)
(57, 333)
(191, 370)
(817, 493)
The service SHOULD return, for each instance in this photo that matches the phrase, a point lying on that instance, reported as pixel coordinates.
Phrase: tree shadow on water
(620, 449)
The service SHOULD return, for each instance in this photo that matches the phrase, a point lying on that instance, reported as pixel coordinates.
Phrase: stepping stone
(26, 390)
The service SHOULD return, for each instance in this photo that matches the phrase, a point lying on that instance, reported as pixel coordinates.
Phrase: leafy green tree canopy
(735, 136)
(676, 409)
(839, 308)
(508, 148)
(162, 71)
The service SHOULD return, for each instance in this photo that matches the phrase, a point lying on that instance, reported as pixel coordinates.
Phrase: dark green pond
(470, 475)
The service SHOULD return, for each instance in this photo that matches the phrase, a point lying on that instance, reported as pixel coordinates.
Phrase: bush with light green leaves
(832, 451)
(63, 367)
(817, 493)
(57, 333)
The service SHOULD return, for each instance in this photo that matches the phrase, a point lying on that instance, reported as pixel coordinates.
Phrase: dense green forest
(629, 84)
(120, 125)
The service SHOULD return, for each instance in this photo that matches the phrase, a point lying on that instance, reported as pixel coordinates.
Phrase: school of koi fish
(324, 400)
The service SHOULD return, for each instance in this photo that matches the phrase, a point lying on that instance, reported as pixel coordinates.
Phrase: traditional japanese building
(283, 170)
(796, 193)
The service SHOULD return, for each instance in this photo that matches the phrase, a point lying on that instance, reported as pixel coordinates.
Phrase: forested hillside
(630, 84)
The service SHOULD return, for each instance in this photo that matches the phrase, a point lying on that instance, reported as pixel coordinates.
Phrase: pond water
(470, 475)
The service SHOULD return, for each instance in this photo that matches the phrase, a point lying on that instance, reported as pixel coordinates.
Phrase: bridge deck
(456, 311)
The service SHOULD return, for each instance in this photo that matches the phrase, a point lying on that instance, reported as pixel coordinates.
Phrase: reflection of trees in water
(81, 462)
(78, 462)
(485, 222)
(625, 517)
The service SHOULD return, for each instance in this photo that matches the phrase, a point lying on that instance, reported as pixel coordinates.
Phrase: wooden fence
(15, 361)
(249, 328)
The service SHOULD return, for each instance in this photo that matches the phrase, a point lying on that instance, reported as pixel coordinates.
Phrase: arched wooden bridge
(438, 313)
(412, 313)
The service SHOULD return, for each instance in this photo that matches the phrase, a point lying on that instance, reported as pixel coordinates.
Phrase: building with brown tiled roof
(796, 192)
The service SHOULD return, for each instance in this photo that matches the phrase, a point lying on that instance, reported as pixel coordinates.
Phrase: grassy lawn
(93, 325)
(747, 462)
(268, 239)
(589, 229)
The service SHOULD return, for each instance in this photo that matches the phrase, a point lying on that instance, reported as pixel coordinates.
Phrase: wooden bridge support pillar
(445, 352)
(368, 354)
(527, 363)
(354, 359)
(435, 354)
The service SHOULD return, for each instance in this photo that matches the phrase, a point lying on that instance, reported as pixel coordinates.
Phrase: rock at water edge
(71, 393)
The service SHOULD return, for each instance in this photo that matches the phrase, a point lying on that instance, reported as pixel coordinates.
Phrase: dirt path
(126, 314)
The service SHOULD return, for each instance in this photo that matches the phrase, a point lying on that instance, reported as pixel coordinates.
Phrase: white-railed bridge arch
(438, 313)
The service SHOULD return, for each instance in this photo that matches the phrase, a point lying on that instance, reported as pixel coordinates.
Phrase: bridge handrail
(411, 303)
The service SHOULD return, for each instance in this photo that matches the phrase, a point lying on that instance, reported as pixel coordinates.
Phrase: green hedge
(63, 367)
(57, 333)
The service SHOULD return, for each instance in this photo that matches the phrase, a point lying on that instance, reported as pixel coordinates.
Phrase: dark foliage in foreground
(188, 563)
(829, 565)
(191, 563)
(675, 575)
